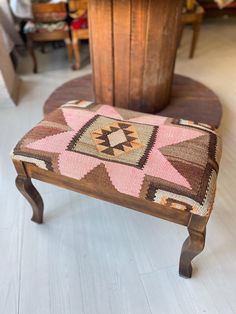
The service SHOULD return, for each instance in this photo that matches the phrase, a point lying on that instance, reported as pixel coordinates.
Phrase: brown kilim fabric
(173, 163)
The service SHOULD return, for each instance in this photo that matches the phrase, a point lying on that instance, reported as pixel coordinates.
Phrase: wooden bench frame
(196, 224)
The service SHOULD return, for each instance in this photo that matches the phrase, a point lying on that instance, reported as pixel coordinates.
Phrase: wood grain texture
(139, 18)
(163, 25)
(190, 100)
(152, 25)
(122, 52)
(101, 49)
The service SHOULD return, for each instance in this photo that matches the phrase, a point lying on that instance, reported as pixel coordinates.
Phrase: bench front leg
(192, 246)
(27, 189)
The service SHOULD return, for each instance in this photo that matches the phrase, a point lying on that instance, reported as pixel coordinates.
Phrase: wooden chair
(46, 14)
(194, 16)
(212, 9)
(78, 9)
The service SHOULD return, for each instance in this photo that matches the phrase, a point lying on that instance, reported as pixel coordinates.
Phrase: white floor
(92, 257)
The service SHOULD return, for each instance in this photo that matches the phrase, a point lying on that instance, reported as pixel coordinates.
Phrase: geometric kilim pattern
(116, 139)
(171, 162)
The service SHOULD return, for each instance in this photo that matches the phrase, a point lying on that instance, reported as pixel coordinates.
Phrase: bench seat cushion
(170, 162)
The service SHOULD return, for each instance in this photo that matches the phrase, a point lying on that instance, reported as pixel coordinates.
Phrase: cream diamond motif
(116, 138)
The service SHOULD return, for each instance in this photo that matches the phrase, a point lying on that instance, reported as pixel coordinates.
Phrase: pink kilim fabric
(171, 162)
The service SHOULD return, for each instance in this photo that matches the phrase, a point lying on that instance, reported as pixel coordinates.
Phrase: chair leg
(196, 31)
(43, 48)
(75, 43)
(31, 52)
(192, 246)
(69, 48)
(28, 190)
(181, 30)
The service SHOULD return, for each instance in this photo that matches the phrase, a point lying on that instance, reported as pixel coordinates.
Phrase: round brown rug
(190, 100)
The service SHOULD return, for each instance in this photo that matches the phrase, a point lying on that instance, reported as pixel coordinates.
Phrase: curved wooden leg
(27, 189)
(31, 52)
(192, 246)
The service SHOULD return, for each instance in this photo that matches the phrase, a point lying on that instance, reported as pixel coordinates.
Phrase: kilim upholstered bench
(156, 165)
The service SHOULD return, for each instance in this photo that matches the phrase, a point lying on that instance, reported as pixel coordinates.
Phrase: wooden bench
(160, 166)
